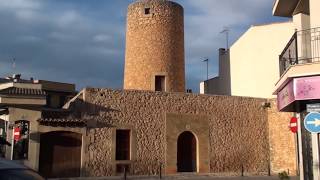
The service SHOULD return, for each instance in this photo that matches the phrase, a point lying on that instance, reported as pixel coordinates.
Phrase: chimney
(222, 51)
(16, 77)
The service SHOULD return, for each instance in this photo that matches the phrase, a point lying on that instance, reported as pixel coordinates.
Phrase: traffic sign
(313, 107)
(293, 125)
(312, 122)
(17, 134)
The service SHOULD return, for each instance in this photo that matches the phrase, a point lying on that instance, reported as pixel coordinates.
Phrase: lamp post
(207, 62)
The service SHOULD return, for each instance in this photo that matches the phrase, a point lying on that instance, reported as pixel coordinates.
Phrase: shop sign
(313, 107)
(286, 96)
(312, 122)
(307, 88)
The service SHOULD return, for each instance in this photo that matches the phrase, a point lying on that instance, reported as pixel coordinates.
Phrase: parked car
(10, 170)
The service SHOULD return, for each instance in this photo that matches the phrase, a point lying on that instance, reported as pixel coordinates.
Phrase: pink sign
(298, 89)
(307, 88)
(286, 96)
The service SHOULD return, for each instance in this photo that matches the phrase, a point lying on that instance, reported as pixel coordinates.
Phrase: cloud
(55, 41)
(83, 42)
(102, 38)
(204, 21)
(19, 4)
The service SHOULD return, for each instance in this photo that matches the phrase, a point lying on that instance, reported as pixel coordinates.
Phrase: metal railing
(303, 47)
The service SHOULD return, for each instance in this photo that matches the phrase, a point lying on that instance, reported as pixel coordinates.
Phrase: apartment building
(298, 88)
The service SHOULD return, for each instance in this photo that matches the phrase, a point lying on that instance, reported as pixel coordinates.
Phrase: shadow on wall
(89, 112)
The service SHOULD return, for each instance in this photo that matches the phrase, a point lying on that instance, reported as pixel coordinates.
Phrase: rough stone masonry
(232, 132)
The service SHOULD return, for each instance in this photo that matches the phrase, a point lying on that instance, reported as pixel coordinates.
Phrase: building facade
(152, 126)
(144, 130)
(251, 67)
(23, 103)
(298, 85)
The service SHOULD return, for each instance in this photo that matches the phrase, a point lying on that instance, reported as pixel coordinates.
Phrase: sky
(83, 41)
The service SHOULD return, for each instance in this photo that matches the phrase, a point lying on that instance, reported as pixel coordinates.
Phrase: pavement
(183, 177)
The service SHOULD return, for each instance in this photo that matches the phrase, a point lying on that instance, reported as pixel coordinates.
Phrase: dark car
(10, 170)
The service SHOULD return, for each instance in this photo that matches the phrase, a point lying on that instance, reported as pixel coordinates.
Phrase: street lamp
(207, 61)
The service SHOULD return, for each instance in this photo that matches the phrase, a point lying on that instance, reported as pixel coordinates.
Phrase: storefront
(302, 96)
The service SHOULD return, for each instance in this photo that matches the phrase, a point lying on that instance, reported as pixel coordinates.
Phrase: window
(160, 83)
(123, 145)
(21, 140)
(48, 100)
(62, 101)
(146, 11)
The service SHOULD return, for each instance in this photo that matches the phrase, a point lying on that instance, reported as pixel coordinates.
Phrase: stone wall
(155, 45)
(282, 141)
(238, 131)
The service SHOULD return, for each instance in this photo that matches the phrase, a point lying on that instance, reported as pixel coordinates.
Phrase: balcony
(303, 48)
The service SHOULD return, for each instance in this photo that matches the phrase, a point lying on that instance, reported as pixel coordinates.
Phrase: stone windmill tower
(155, 46)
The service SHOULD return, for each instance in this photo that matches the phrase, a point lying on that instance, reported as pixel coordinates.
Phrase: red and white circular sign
(16, 134)
(293, 125)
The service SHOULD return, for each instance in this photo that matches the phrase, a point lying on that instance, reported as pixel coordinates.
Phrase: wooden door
(60, 154)
(187, 153)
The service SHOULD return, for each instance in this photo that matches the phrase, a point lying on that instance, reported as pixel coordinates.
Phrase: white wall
(315, 13)
(254, 59)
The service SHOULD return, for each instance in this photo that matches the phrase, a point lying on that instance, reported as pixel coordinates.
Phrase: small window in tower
(123, 145)
(146, 11)
(160, 83)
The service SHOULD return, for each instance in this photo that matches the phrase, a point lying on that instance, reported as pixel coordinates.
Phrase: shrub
(283, 175)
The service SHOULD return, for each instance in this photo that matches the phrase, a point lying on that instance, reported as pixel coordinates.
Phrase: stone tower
(155, 46)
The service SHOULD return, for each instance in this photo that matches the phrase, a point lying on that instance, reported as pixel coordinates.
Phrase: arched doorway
(187, 152)
(60, 154)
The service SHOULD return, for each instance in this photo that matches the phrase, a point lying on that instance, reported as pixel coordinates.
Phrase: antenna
(14, 63)
(207, 62)
(226, 31)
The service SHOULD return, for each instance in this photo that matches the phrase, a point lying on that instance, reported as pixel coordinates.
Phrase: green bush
(283, 175)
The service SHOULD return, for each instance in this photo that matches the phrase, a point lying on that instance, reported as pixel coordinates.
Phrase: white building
(299, 84)
(251, 66)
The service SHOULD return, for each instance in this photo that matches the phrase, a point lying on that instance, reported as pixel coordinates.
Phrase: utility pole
(207, 62)
(226, 31)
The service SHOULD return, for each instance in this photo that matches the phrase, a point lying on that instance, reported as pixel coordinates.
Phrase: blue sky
(83, 41)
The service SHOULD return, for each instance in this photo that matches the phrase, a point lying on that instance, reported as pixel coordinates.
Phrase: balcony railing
(303, 47)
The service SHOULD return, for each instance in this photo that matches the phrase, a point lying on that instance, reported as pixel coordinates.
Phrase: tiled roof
(63, 122)
(48, 113)
(22, 91)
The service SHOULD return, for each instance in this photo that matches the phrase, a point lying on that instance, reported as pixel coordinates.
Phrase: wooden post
(160, 171)
(242, 170)
(125, 173)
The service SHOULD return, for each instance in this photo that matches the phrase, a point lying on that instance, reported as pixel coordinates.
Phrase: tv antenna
(226, 31)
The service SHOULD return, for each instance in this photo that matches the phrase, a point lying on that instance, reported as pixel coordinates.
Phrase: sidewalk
(182, 177)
